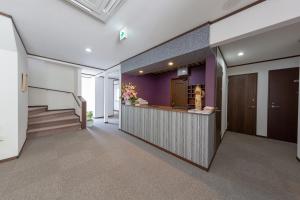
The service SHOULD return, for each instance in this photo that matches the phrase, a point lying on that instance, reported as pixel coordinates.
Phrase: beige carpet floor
(104, 163)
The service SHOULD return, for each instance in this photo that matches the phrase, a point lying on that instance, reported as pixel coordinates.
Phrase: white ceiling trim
(61, 62)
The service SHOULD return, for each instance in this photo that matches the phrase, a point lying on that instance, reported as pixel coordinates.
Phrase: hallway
(104, 163)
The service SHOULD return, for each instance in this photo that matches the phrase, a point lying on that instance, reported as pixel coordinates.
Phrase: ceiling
(56, 29)
(195, 58)
(279, 43)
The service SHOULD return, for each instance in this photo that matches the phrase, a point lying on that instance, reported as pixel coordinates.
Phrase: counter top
(169, 108)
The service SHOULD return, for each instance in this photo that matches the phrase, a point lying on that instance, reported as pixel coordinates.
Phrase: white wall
(262, 90)
(265, 16)
(7, 37)
(13, 102)
(9, 104)
(88, 92)
(110, 86)
(222, 63)
(56, 76)
(117, 95)
(22, 96)
(99, 97)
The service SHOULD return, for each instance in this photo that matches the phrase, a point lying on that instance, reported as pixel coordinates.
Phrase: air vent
(183, 71)
(101, 9)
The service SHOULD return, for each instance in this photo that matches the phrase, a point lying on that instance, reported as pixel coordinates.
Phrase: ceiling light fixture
(89, 50)
(141, 71)
(81, 6)
(241, 53)
(170, 63)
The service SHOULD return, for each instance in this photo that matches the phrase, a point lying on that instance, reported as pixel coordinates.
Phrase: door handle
(251, 106)
(272, 106)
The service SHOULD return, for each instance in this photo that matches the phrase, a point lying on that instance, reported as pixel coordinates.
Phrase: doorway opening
(88, 92)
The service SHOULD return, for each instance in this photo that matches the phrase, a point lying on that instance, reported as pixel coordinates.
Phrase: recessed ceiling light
(89, 50)
(241, 53)
(141, 71)
(170, 63)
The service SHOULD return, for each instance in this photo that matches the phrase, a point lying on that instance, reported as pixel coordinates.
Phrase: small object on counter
(200, 111)
(207, 110)
(128, 103)
(199, 94)
(141, 101)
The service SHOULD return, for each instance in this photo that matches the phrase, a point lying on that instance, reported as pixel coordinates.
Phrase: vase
(90, 123)
(128, 103)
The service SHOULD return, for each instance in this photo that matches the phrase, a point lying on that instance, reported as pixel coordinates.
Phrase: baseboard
(8, 159)
(298, 158)
(47, 108)
(261, 136)
(103, 117)
(21, 151)
(38, 106)
(63, 109)
(15, 157)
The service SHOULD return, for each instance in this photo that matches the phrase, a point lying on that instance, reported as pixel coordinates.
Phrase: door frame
(227, 110)
(298, 127)
(184, 78)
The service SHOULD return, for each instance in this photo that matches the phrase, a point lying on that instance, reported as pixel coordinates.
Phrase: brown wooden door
(283, 104)
(242, 97)
(179, 93)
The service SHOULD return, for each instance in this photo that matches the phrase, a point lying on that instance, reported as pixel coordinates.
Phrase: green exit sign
(123, 34)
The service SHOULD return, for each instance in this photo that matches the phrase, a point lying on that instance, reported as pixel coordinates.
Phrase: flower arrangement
(129, 94)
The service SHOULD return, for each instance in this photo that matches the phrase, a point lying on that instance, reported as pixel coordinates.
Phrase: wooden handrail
(81, 102)
(83, 112)
(54, 90)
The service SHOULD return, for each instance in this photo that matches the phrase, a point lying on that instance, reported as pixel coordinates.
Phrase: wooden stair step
(35, 107)
(53, 129)
(50, 115)
(40, 123)
(37, 110)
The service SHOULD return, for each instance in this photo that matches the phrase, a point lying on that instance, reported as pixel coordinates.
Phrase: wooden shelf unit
(191, 96)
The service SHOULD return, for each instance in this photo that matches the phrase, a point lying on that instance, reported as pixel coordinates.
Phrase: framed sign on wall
(24, 86)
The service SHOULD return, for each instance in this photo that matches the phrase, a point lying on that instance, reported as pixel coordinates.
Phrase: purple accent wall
(156, 88)
(197, 75)
(163, 88)
(144, 86)
(210, 80)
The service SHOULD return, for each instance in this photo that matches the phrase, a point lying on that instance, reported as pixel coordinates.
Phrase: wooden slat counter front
(186, 135)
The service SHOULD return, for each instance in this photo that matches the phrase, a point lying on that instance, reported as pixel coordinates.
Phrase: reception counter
(188, 136)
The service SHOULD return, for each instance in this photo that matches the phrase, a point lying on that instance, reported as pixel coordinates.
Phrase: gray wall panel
(187, 43)
(190, 136)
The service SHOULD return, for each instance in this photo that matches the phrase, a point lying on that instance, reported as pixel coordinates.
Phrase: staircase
(43, 122)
